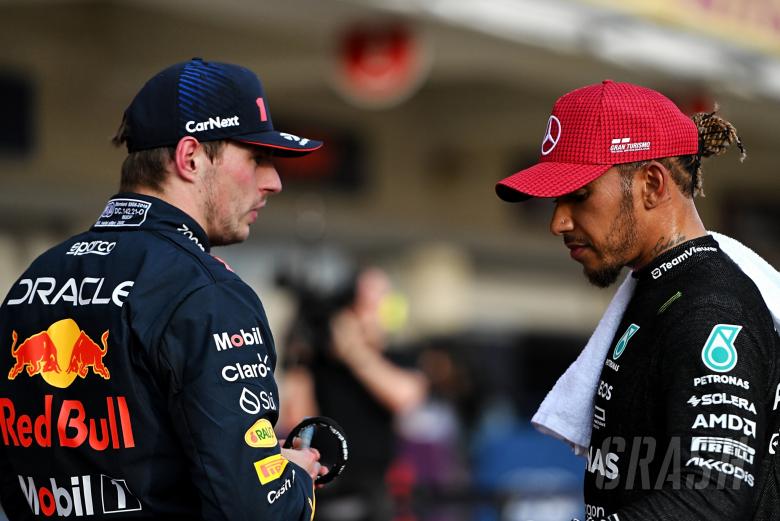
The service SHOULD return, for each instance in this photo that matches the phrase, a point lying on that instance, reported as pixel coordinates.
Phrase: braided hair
(716, 135)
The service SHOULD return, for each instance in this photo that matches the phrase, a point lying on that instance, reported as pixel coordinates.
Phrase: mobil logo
(78, 496)
(59, 354)
(226, 340)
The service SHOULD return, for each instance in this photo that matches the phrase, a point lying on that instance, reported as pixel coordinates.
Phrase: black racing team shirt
(136, 381)
(685, 422)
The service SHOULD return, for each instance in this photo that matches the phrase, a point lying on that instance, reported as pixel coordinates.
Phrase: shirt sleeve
(715, 373)
(216, 362)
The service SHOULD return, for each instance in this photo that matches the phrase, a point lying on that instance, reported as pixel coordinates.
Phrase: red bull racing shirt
(136, 381)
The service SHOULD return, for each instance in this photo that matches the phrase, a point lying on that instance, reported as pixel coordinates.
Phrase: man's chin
(232, 238)
(603, 277)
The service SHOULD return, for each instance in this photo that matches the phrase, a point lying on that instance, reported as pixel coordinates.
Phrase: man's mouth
(576, 248)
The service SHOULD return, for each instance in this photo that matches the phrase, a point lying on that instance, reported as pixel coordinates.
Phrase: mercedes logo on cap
(551, 135)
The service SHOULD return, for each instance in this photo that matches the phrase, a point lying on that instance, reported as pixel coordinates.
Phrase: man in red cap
(683, 420)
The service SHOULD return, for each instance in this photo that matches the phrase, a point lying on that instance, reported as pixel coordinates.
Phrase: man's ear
(187, 158)
(656, 183)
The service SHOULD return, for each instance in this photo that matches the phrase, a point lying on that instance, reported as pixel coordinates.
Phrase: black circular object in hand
(327, 436)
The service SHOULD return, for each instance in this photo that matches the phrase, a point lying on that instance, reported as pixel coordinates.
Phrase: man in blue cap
(140, 367)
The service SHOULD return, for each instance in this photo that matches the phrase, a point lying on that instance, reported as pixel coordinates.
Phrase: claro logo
(211, 123)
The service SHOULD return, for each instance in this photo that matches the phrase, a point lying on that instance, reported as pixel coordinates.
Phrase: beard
(620, 240)
(221, 229)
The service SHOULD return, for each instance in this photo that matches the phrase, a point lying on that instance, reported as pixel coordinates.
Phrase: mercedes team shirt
(136, 381)
(685, 422)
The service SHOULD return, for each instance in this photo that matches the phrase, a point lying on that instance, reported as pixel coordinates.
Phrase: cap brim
(285, 145)
(547, 179)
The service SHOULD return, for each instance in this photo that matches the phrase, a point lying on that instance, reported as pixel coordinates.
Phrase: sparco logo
(685, 255)
(93, 247)
(225, 341)
(211, 123)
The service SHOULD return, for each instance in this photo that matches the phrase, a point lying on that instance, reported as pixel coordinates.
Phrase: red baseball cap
(598, 126)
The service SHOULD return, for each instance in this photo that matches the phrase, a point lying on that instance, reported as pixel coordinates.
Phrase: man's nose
(561, 220)
(268, 179)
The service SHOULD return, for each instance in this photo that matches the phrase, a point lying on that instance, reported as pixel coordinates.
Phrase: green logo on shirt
(621, 344)
(719, 353)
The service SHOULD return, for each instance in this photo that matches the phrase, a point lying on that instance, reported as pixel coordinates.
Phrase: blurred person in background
(336, 365)
(140, 367)
(675, 399)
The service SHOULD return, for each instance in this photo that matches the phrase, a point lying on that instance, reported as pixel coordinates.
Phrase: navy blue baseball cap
(209, 101)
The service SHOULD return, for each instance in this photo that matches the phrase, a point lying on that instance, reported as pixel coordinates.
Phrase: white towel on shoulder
(567, 410)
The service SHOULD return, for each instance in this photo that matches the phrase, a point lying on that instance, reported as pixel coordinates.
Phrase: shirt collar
(678, 259)
(131, 211)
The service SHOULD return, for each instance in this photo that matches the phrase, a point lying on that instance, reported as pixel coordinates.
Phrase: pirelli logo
(723, 446)
(270, 468)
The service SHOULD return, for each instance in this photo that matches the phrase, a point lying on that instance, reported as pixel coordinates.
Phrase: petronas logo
(623, 342)
(719, 353)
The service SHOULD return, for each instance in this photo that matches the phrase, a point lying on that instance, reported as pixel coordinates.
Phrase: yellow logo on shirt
(270, 468)
(261, 434)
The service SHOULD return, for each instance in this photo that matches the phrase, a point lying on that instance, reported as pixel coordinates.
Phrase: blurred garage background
(423, 105)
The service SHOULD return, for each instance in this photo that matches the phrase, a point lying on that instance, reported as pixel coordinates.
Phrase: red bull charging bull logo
(59, 354)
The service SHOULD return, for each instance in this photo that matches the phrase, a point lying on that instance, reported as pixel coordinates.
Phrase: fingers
(323, 470)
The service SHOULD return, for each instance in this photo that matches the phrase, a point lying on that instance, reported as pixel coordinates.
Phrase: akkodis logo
(59, 354)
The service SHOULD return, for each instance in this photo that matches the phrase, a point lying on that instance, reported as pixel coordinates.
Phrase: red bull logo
(68, 423)
(59, 354)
